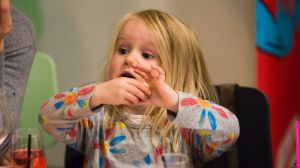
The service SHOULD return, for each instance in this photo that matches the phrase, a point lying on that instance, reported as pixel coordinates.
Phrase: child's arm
(216, 128)
(66, 115)
(118, 91)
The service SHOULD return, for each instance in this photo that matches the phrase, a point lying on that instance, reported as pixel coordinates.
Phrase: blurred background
(76, 34)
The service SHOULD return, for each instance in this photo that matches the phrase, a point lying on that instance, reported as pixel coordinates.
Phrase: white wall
(226, 31)
(77, 34)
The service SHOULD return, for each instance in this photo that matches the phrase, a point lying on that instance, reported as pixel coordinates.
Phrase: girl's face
(135, 45)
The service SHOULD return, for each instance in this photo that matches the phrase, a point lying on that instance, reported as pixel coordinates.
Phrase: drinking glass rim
(18, 132)
(35, 133)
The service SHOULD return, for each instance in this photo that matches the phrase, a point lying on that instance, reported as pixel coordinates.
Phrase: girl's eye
(122, 51)
(148, 55)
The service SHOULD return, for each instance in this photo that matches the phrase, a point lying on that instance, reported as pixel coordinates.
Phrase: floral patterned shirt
(207, 130)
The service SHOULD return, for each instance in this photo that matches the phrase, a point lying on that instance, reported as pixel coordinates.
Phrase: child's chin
(134, 105)
(138, 108)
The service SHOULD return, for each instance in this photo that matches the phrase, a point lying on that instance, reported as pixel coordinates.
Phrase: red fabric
(279, 79)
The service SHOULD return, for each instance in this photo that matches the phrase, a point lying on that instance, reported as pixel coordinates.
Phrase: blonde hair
(182, 61)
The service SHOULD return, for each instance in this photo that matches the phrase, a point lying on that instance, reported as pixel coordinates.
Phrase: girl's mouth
(127, 75)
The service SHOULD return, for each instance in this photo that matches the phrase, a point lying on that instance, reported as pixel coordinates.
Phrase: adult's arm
(15, 63)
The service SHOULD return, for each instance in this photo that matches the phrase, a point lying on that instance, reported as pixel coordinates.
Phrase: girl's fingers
(142, 86)
(130, 98)
(158, 69)
(139, 75)
(143, 69)
(143, 103)
(153, 73)
(142, 74)
(137, 92)
(127, 102)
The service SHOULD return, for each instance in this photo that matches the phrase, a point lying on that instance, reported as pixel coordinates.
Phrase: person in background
(17, 50)
(155, 98)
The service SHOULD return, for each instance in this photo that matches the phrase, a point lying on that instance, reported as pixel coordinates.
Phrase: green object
(42, 84)
(32, 9)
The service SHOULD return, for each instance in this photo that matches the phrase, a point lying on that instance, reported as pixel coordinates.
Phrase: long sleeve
(215, 128)
(67, 116)
(15, 64)
(16, 60)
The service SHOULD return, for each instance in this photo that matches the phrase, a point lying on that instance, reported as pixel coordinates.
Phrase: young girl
(151, 101)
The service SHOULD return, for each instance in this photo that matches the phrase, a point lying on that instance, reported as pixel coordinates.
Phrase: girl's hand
(162, 95)
(126, 91)
(5, 21)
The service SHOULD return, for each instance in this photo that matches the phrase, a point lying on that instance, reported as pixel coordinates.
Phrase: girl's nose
(131, 59)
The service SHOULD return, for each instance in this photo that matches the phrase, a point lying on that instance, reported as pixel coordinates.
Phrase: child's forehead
(135, 29)
(135, 23)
